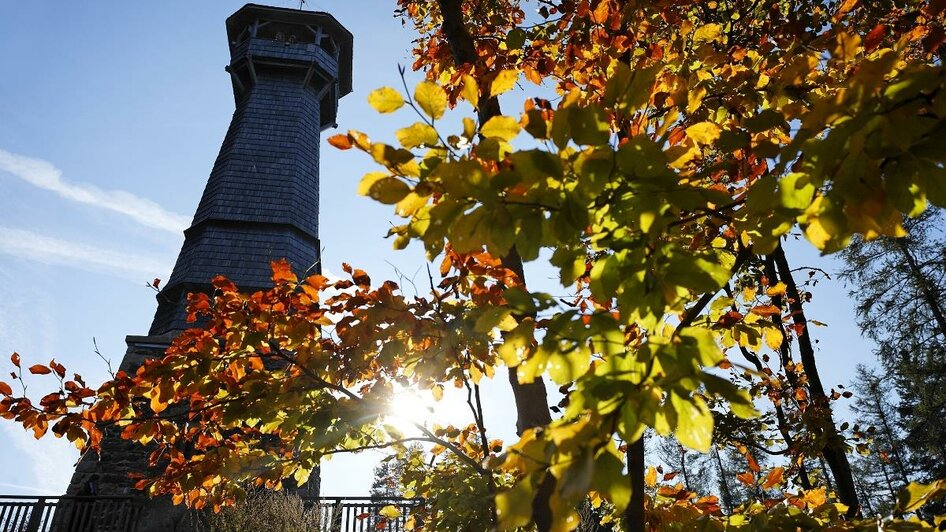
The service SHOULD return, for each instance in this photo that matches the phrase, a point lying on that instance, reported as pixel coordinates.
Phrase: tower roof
(245, 16)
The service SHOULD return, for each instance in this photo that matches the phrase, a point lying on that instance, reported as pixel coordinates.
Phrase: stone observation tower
(288, 68)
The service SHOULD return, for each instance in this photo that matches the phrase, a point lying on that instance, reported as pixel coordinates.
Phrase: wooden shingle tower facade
(288, 68)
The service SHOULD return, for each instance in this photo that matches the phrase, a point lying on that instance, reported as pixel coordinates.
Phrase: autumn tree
(685, 141)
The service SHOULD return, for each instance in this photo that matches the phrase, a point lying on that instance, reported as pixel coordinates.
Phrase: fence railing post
(36, 515)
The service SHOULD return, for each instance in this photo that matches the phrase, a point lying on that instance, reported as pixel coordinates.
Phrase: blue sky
(111, 115)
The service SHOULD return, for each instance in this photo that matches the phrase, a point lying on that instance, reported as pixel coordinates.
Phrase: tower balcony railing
(19, 513)
(73, 514)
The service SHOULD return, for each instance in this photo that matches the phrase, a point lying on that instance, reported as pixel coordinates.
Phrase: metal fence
(363, 514)
(121, 514)
(72, 514)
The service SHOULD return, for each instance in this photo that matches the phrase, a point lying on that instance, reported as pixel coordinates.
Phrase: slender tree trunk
(888, 433)
(728, 502)
(834, 450)
(634, 518)
(532, 406)
(924, 285)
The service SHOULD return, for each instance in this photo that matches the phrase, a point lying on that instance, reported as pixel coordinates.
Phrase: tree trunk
(834, 450)
(532, 406)
(923, 284)
(728, 502)
(634, 518)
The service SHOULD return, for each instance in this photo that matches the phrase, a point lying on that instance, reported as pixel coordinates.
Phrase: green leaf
(417, 134)
(694, 422)
(385, 100)
(501, 127)
(514, 505)
(515, 39)
(388, 190)
(589, 126)
(609, 479)
(431, 98)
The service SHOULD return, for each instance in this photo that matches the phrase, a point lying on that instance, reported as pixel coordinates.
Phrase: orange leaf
(650, 479)
(801, 394)
(774, 478)
(766, 310)
(223, 284)
(753, 465)
(746, 478)
(846, 8)
(361, 279)
(282, 271)
(39, 369)
(319, 282)
(5, 389)
(341, 141)
(15, 358)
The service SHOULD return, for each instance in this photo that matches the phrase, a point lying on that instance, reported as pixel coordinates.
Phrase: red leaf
(156, 282)
(39, 369)
(58, 368)
(15, 358)
(874, 38)
(5, 389)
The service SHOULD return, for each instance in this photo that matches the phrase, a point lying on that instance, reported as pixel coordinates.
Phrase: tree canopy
(662, 153)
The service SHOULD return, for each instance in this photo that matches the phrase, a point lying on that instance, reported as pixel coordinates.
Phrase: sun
(411, 407)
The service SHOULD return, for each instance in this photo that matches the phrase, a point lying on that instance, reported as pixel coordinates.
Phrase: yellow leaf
(431, 98)
(776, 290)
(816, 234)
(694, 422)
(773, 338)
(410, 204)
(385, 100)
(368, 180)
(504, 81)
(703, 132)
(437, 392)
(695, 99)
(471, 90)
(389, 511)
(707, 33)
(501, 127)
(816, 497)
(417, 134)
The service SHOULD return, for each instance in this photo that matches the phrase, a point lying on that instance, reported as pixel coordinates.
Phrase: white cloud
(48, 250)
(52, 460)
(43, 174)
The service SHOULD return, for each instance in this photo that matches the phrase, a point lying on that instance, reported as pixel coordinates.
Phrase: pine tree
(900, 284)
